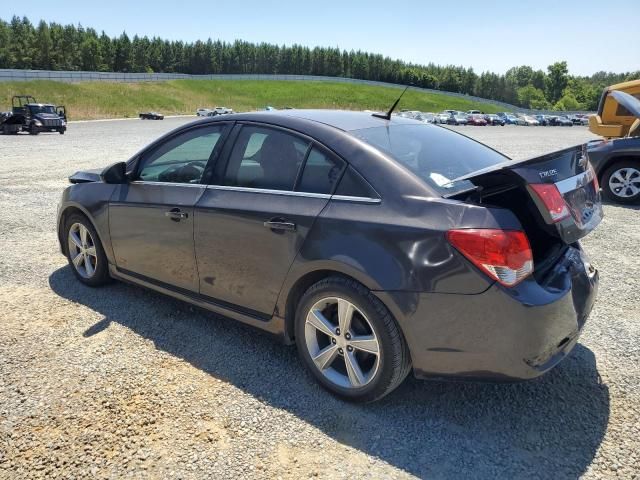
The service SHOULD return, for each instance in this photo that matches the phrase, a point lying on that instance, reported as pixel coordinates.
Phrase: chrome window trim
(231, 188)
(173, 184)
(576, 181)
(289, 193)
(348, 198)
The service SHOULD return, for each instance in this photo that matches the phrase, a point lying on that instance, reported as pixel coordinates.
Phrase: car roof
(345, 120)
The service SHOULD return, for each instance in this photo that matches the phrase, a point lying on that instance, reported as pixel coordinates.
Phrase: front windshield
(436, 155)
(36, 109)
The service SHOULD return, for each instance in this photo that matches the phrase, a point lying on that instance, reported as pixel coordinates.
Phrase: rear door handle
(176, 214)
(280, 224)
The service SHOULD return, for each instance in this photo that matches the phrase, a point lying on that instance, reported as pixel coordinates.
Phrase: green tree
(568, 103)
(538, 79)
(520, 76)
(6, 60)
(122, 58)
(43, 47)
(532, 97)
(20, 46)
(557, 80)
(90, 54)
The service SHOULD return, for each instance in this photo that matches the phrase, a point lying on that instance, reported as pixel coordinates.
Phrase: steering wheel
(183, 173)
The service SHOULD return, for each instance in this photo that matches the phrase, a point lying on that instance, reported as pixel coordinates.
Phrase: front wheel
(349, 341)
(85, 252)
(621, 182)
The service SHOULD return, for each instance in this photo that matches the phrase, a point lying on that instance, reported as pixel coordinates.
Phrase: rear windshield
(434, 154)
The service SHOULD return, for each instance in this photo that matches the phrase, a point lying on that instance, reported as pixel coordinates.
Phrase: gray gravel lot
(122, 382)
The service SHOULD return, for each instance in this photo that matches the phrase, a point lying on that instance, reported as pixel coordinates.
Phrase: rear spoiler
(578, 150)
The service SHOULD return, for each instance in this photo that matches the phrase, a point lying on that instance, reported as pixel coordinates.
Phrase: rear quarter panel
(396, 245)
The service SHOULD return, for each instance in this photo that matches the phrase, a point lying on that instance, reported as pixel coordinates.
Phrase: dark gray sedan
(379, 246)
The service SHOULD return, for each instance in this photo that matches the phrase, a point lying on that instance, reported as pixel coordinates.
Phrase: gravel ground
(122, 382)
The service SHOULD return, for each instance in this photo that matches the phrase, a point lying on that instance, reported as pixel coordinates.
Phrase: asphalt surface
(122, 382)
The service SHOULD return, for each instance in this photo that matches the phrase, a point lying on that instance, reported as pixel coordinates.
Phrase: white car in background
(219, 111)
(427, 117)
(202, 112)
(442, 117)
(530, 121)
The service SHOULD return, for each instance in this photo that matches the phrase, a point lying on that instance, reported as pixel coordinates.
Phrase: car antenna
(387, 116)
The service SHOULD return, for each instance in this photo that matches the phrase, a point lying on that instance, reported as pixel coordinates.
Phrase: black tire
(606, 188)
(101, 274)
(33, 130)
(61, 132)
(394, 359)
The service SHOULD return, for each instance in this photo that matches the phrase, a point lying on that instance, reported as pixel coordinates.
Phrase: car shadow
(547, 427)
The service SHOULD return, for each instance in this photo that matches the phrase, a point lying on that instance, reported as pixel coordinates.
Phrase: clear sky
(484, 34)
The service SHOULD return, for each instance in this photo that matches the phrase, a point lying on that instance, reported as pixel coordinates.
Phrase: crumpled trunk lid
(568, 170)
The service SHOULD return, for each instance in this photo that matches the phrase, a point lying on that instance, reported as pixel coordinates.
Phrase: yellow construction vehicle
(613, 120)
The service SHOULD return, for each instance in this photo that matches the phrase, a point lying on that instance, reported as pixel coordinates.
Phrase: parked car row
(478, 118)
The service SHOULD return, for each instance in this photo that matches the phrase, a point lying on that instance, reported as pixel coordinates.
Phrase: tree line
(52, 46)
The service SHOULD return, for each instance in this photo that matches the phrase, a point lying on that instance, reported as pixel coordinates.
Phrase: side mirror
(116, 173)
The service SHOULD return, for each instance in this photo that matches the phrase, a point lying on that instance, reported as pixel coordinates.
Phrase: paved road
(119, 381)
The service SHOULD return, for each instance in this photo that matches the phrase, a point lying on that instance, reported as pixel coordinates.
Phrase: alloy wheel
(342, 343)
(82, 250)
(625, 182)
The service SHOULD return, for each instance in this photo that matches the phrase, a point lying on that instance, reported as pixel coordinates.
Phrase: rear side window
(434, 154)
(353, 185)
(265, 158)
(321, 173)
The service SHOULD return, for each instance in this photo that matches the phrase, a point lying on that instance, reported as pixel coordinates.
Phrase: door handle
(280, 224)
(176, 215)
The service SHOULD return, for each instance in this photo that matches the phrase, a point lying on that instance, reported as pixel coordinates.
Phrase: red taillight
(504, 255)
(552, 199)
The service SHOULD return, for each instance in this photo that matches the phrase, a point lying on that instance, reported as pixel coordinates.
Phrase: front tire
(85, 252)
(349, 340)
(621, 182)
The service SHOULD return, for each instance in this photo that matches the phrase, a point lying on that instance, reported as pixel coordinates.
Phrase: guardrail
(13, 75)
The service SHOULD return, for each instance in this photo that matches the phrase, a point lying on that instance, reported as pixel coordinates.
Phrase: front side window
(265, 158)
(183, 158)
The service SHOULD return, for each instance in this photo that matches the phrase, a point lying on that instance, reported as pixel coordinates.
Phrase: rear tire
(365, 361)
(621, 182)
(85, 252)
